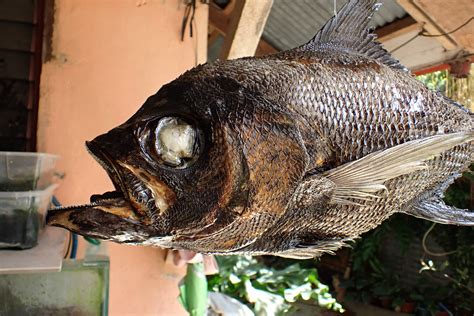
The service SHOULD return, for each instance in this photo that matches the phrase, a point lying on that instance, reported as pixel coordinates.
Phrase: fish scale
(412, 107)
(295, 153)
(384, 113)
(411, 118)
(401, 190)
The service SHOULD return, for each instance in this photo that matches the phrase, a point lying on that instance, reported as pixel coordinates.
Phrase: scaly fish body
(290, 154)
(345, 107)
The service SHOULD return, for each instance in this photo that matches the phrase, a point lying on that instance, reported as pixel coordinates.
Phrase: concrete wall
(103, 59)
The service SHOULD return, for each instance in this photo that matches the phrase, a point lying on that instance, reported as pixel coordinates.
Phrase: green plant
(435, 80)
(370, 278)
(457, 270)
(268, 290)
(450, 280)
(459, 194)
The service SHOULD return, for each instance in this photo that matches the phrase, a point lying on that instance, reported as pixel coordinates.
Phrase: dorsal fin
(348, 31)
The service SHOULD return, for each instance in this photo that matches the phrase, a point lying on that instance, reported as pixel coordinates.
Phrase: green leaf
(292, 294)
(234, 279)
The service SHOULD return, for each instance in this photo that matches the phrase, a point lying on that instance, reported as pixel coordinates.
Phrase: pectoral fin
(363, 178)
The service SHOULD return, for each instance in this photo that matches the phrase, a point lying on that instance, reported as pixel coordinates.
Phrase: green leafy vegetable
(267, 290)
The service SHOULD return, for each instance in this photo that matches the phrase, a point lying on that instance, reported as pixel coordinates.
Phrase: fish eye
(176, 142)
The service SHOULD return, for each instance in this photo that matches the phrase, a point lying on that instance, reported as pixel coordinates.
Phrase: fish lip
(120, 177)
(109, 166)
(111, 215)
(114, 225)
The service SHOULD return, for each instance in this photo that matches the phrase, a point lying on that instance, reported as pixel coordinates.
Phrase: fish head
(177, 166)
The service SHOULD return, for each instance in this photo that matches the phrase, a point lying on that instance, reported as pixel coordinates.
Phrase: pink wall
(108, 56)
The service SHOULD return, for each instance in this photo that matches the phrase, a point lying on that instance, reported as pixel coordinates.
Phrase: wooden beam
(428, 23)
(220, 18)
(397, 28)
(202, 14)
(245, 28)
(431, 69)
(264, 48)
(450, 15)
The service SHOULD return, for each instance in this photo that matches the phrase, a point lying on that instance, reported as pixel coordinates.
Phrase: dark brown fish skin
(90, 220)
(271, 126)
(265, 133)
(345, 107)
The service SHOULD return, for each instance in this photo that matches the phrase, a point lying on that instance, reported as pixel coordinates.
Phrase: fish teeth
(70, 207)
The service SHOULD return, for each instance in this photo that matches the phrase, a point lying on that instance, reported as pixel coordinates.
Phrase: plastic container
(23, 171)
(81, 288)
(22, 217)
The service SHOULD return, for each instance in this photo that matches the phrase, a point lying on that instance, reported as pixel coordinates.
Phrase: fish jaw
(110, 219)
(117, 215)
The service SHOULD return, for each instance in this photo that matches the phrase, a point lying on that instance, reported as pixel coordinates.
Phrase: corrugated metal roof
(293, 22)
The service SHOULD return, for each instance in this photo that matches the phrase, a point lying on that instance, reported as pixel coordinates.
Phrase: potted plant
(407, 302)
(386, 290)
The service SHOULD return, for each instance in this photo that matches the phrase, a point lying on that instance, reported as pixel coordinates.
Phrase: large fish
(290, 154)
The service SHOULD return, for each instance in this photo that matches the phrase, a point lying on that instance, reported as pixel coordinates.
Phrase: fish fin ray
(299, 254)
(313, 249)
(348, 31)
(436, 210)
(360, 180)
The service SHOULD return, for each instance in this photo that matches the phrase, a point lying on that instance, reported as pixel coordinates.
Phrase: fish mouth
(109, 219)
(112, 171)
(112, 215)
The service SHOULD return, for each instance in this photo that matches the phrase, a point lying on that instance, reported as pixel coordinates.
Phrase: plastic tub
(22, 217)
(24, 171)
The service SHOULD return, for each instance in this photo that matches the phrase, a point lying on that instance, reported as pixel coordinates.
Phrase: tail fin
(436, 211)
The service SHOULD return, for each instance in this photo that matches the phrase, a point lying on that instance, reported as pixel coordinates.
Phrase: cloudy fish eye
(175, 141)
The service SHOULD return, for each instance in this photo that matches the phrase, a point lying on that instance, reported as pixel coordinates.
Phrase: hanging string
(424, 34)
(189, 12)
(450, 32)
